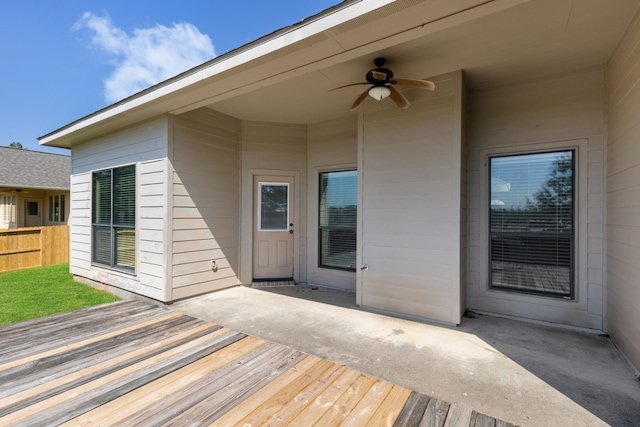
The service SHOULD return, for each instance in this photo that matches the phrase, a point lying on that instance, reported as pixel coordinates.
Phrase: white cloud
(148, 56)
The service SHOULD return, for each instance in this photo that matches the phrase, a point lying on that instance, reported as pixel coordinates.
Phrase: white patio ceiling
(529, 40)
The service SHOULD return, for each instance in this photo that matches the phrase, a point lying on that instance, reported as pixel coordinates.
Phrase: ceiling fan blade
(349, 85)
(359, 100)
(422, 84)
(398, 98)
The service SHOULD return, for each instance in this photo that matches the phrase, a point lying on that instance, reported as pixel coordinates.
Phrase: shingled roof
(22, 168)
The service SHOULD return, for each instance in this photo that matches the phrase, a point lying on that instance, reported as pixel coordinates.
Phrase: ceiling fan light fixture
(379, 92)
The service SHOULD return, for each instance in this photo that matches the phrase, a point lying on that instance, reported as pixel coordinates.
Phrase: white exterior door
(273, 227)
(33, 213)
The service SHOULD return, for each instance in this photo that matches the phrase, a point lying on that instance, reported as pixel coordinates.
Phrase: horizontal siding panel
(202, 191)
(152, 258)
(413, 241)
(80, 232)
(150, 212)
(225, 176)
(199, 266)
(414, 176)
(80, 245)
(155, 189)
(194, 135)
(224, 211)
(411, 202)
(191, 223)
(623, 169)
(152, 235)
(144, 142)
(152, 201)
(628, 197)
(154, 270)
(189, 257)
(152, 223)
(623, 216)
(206, 190)
(204, 234)
(80, 220)
(203, 245)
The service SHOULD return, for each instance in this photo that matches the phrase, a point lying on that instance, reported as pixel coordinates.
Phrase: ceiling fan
(383, 85)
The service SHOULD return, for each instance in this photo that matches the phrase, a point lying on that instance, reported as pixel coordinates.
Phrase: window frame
(9, 203)
(112, 226)
(573, 236)
(321, 227)
(259, 213)
(61, 201)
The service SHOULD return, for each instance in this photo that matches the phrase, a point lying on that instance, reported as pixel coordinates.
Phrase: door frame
(246, 220)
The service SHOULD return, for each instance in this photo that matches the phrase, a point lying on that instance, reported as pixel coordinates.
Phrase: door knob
(364, 267)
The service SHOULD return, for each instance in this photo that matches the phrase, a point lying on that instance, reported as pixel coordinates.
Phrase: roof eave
(114, 113)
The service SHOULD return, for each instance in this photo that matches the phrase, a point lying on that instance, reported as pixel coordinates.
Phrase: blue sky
(62, 60)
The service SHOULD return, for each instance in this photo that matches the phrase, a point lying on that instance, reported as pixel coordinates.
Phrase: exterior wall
(563, 111)
(464, 201)
(205, 226)
(411, 209)
(623, 195)
(146, 146)
(33, 194)
(274, 149)
(332, 145)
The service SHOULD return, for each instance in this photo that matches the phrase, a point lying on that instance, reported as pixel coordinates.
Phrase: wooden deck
(131, 364)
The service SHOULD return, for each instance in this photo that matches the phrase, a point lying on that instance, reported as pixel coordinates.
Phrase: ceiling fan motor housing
(376, 81)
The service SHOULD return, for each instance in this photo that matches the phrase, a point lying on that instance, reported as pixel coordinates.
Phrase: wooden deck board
(133, 363)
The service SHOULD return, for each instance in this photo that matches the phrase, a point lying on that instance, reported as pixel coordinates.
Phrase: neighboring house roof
(21, 168)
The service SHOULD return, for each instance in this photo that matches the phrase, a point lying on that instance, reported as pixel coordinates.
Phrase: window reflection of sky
(514, 179)
(342, 188)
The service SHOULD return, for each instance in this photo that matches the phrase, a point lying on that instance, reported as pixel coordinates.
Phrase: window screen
(532, 223)
(338, 219)
(113, 217)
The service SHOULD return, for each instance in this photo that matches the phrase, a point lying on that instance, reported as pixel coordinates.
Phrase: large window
(338, 219)
(56, 208)
(8, 208)
(114, 217)
(532, 223)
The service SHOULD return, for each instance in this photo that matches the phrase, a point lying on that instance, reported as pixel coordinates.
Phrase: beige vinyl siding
(556, 112)
(623, 195)
(205, 202)
(332, 145)
(464, 202)
(274, 149)
(144, 145)
(411, 184)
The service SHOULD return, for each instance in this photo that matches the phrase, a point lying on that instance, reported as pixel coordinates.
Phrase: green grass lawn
(42, 291)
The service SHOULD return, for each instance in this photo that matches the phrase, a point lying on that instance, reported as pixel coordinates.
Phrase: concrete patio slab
(524, 373)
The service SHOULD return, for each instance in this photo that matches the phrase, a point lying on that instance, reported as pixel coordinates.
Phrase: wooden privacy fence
(22, 248)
